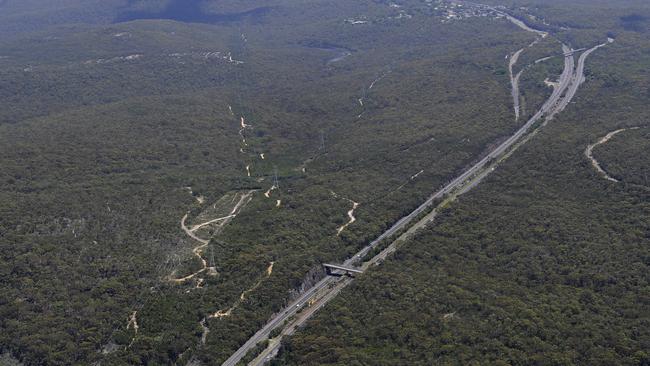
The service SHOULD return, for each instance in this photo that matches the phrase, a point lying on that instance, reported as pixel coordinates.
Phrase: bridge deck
(342, 268)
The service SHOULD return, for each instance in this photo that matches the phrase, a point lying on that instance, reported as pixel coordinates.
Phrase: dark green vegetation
(104, 125)
(545, 263)
(537, 69)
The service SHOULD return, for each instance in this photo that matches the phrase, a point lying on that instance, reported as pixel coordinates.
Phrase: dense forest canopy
(175, 173)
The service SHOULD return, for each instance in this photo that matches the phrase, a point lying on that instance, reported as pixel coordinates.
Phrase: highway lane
(287, 313)
(322, 299)
(577, 78)
(521, 24)
(328, 287)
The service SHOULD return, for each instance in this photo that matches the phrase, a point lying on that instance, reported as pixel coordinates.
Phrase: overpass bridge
(338, 270)
(572, 52)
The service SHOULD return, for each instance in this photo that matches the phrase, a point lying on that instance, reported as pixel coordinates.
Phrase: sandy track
(351, 216)
(350, 213)
(198, 226)
(242, 297)
(198, 250)
(133, 322)
(267, 194)
(205, 330)
(190, 232)
(603, 140)
(366, 91)
(417, 174)
(242, 128)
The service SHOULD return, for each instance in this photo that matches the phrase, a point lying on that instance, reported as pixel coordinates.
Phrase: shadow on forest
(191, 11)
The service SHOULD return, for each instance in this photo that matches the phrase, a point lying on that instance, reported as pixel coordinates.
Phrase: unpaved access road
(589, 153)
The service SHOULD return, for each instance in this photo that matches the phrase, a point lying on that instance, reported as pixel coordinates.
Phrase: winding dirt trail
(198, 226)
(551, 84)
(199, 199)
(372, 85)
(198, 250)
(205, 330)
(367, 90)
(350, 213)
(242, 297)
(351, 217)
(267, 194)
(133, 322)
(603, 140)
(417, 174)
(242, 128)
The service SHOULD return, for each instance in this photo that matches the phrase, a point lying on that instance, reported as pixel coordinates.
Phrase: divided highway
(296, 314)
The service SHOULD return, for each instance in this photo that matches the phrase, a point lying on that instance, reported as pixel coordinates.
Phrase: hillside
(174, 176)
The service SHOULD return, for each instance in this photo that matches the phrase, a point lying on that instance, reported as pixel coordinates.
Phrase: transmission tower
(322, 141)
(276, 183)
(211, 256)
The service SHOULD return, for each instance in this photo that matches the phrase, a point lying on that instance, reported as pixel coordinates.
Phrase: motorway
(577, 78)
(296, 314)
